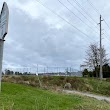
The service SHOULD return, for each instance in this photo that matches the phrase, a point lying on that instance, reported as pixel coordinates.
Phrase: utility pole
(101, 73)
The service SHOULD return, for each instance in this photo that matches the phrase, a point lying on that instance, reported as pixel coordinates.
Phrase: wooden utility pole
(101, 73)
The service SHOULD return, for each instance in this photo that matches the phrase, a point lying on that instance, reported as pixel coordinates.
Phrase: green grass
(22, 97)
(99, 86)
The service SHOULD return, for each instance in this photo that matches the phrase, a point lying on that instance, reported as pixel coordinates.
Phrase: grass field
(22, 97)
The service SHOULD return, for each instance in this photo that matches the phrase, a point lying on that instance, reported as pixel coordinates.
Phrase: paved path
(98, 97)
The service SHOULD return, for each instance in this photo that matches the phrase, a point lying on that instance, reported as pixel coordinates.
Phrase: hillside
(93, 85)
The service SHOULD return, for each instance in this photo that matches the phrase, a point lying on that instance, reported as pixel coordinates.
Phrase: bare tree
(93, 57)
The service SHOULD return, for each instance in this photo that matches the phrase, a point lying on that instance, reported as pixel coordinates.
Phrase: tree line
(9, 72)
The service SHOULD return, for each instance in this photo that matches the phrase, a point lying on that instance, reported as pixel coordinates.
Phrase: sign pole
(1, 59)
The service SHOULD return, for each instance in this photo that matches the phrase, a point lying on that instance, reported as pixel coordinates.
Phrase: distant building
(79, 74)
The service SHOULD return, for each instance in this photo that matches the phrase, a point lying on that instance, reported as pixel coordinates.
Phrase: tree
(106, 71)
(93, 58)
(85, 73)
(8, 72)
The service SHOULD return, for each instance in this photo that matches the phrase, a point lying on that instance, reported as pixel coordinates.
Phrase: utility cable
(64, 19)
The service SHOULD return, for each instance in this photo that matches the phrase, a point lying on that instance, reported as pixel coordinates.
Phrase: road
(98, 97)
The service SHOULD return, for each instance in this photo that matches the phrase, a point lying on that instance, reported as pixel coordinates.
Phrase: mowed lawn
(21, 97)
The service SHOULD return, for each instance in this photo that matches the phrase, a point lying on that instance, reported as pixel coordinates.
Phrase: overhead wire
(77, 16)
(63, 19)
(81, 7)
(97, 12)
(79, 11)
(92, 5)
(106, 24)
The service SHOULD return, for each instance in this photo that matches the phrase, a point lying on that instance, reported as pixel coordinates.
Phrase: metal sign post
(1, 58)
(4, 16)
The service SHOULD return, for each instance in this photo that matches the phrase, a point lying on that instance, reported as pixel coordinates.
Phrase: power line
(78, 4)
(106, 24)
(76, 15)
(93, 6)
(81, 7)
(78, 10)
(107, 37)
(97, 12)
(81, 13)
(63, 19)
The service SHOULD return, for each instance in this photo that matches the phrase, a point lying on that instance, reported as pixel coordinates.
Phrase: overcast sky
(38, 36)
